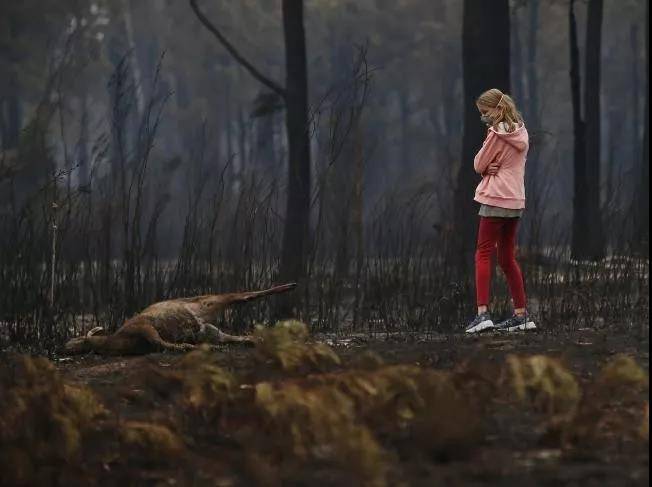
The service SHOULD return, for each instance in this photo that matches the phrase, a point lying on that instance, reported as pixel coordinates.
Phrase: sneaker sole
(482, 326)
(529, 326)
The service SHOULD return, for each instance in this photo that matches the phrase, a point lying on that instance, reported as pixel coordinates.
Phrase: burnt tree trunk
(532, 182)
(642, 203)
(295, 95)
(613, 169)
(634, 121)
(82, 147)
(338, 203)
(517, 58)
(357, 215)
(13, 116)
(635, 94)
(230, 155)
(406, 153)
(242, 144)
(596, 244)
(10, 95)
(295, 234)
(532, 80)
(484, 68)
(645, 190)
(580, 216)
(265, 149)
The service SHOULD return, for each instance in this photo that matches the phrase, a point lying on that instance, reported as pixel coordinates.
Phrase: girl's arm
(487, 153)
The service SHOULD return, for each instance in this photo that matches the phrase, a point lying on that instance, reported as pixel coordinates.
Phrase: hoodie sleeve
(487, 153)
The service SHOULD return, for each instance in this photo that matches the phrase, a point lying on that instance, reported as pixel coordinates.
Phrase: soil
(511, 452)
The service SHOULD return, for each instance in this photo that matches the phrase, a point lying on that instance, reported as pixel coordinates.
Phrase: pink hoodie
(507, 188)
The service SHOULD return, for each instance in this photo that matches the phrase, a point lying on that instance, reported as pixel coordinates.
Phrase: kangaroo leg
(209, 333)
(212, 334)
(154, 339)
(226, 338)
(176, 347)
(186, 347)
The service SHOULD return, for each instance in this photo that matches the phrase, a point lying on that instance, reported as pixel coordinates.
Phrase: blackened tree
(295, 97)
(587, 241)
(485, 59)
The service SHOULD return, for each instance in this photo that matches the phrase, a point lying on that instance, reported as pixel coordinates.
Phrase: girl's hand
(492, 169)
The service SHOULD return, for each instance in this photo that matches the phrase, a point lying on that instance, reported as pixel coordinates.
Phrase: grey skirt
(496, 212)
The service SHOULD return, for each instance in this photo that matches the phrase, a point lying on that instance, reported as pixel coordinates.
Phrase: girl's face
(484, 115)
(484, 110)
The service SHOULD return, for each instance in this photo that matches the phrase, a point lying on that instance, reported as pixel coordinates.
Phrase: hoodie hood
(519, 138)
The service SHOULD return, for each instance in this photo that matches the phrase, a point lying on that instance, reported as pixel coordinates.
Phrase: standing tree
(295, 97)
(533, 188)
(580, 219)
(642, 201)
(595, 248)
(588, 241)
(645, 176)
(532, 78)
(518, 88)
(485, 60)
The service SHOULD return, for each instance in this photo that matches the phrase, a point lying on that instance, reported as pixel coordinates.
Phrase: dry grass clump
(543, 382)
(386, 398)
(329, 428)
(206, 385)
(289, 432)
(644, 431)
(311, 433)
(287, 346)
(622, 372)
(154, 442)
(196, 375)
(198, 384)
(348, 427)
(614, 410)
(408, 406)
(366, 360)
(118, 446)
(611, 411)
(450, 421)
(43, 420)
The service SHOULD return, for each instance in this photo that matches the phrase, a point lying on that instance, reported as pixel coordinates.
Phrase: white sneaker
(480, 323)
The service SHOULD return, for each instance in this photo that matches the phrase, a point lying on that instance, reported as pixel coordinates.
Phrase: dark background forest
(158, 149)
(142, 158)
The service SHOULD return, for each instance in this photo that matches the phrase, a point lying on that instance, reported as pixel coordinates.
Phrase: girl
(501, 194)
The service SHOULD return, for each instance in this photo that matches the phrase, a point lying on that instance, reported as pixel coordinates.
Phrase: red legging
(501, 233)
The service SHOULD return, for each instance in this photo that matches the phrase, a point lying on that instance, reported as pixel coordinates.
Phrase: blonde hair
(500, 107)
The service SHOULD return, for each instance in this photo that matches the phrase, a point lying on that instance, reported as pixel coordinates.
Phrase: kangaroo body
(176, 325)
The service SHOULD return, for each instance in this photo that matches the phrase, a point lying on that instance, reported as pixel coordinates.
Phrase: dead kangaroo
(176, 325)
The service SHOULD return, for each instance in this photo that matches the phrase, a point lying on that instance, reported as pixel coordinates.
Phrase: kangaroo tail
(251, 295)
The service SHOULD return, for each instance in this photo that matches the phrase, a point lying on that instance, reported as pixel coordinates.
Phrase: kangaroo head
(84, 344)
(78, 345)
